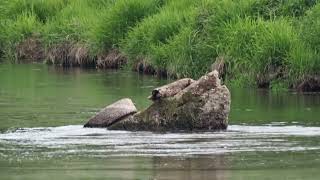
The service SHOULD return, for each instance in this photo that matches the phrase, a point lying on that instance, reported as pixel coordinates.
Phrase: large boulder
(202, 105)
(112, 114)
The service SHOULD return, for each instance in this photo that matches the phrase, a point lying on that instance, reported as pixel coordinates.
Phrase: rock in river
(112, 113)
(184, 105)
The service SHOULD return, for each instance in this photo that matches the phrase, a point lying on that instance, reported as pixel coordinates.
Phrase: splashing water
(76, 140)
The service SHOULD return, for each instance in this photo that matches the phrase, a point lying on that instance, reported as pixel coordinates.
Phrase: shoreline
(114, 59)
(261, 44)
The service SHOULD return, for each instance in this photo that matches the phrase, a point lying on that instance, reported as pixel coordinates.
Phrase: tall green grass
(145, 40)
(192, 49)
(270, 9)
(16, 31)
(54, 21)
(42, 9)
(73, 22)
(310, 33)
(261, 52)
(119, 18)
(310, 25)
(21, 19)
(264, 43)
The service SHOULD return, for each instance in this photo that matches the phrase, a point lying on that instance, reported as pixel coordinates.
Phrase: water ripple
(76, 140)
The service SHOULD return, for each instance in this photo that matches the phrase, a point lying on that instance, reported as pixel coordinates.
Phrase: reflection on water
(42, 109)
(191, 168)
(252, 106)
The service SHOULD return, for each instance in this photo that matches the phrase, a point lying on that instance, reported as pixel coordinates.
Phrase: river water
(42, 110)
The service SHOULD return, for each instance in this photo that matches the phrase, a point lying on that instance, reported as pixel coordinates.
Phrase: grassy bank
(260, 43)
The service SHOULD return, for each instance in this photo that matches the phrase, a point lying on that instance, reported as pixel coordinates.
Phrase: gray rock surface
(204, 105)
(171, 89)
(112, 114)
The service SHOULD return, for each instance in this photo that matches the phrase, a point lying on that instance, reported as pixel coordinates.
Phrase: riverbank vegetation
(261, 43)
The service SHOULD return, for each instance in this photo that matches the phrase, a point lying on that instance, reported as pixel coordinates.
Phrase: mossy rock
(206, 112)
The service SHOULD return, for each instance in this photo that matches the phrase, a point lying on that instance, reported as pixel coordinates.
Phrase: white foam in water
(76, 140)
(284, 130)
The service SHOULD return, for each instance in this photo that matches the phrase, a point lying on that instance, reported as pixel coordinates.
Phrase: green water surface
(37, 95)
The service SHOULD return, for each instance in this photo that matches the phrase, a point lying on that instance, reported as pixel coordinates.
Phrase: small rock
(112, 114)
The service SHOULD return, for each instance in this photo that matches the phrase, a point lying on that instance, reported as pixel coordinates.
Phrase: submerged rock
(112, 114)
(204, 105)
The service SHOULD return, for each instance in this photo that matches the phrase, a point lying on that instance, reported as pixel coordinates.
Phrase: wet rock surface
(112, 114)
(171, 89)
(204, 105)
(184, 105)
